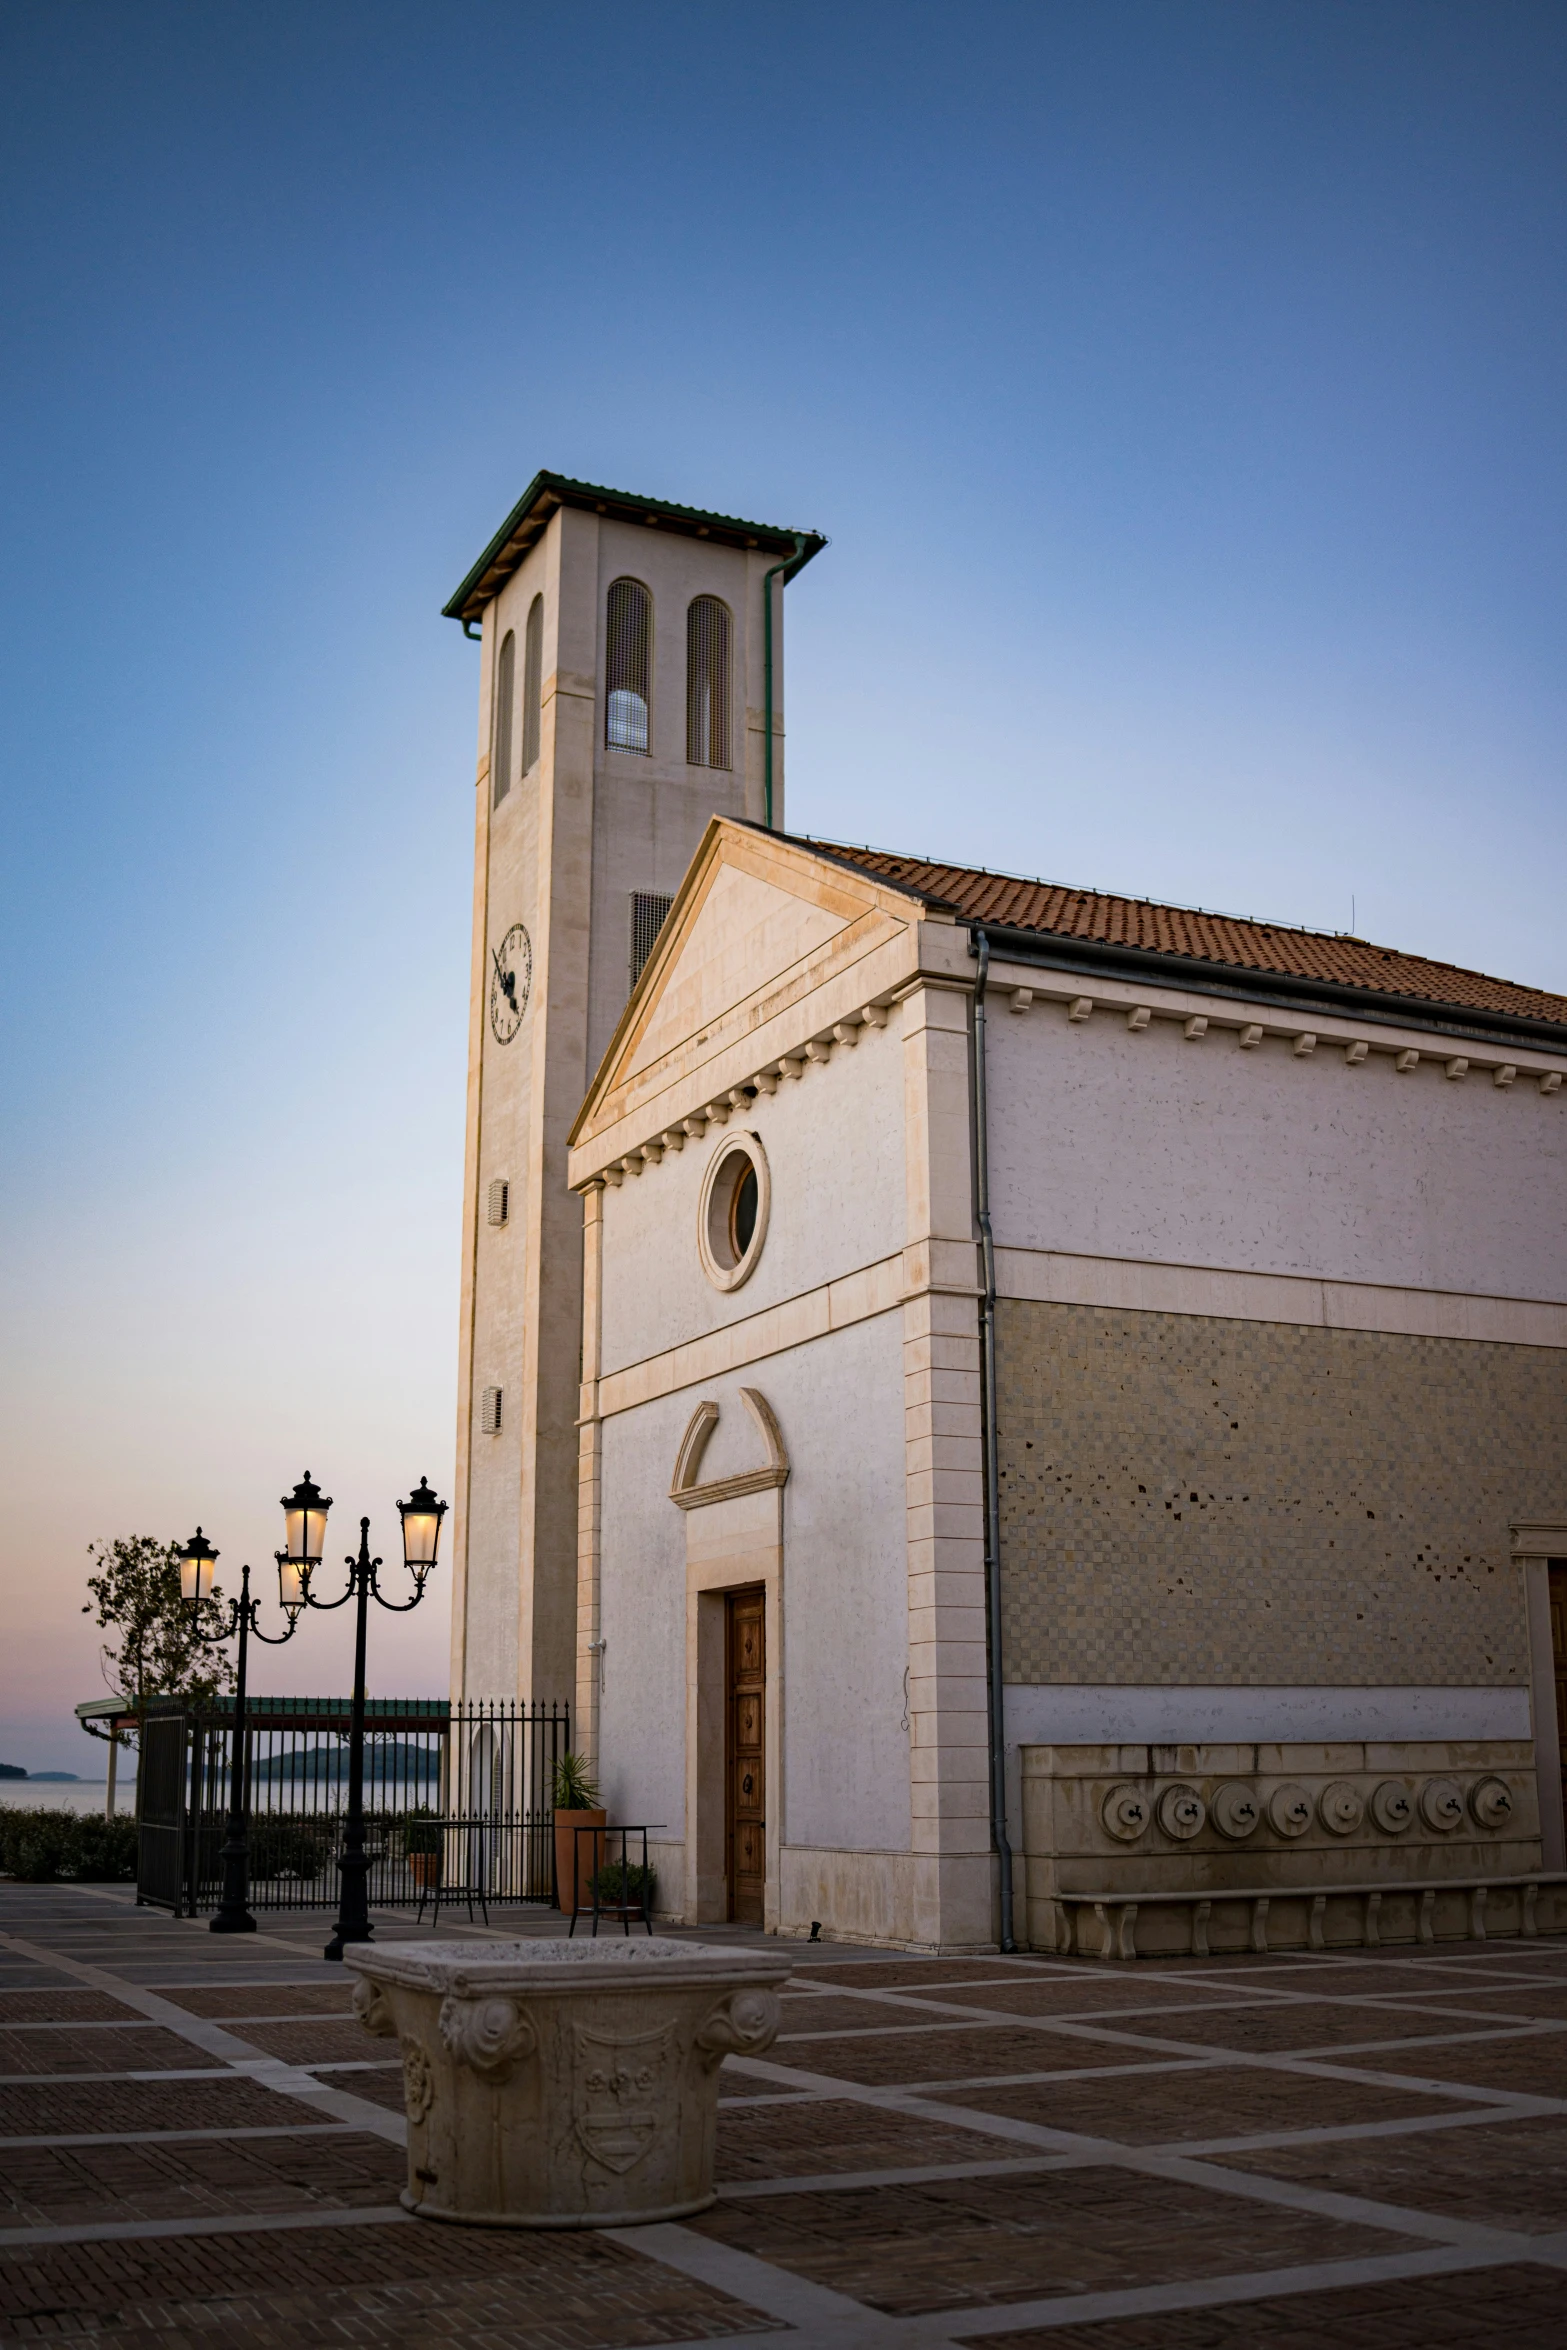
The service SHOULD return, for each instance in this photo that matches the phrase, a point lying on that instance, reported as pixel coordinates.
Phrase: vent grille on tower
(647, 920)
(532, 684)
(505, 690)
(707, 683)
(628, 666)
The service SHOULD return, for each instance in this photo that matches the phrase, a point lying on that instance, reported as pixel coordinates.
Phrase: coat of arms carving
(625, 2093)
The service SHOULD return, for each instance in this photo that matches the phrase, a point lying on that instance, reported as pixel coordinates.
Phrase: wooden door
(1557, 1571)
(745, 1761)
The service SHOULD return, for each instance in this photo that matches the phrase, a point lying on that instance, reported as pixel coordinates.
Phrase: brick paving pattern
(1224, 2156)
(1144, 2109)
(974, 2052)
(1310, 2025)
(1500, 2309)
(960, 2242)
(124, 2048)
(802, 2138)
(63, 2007)
(1090, 1998)
(224, 2000)
(321, 2040)
(1533, 2065)
(61, 2108)
(43, 2186)
(1512, 2175)
(564, 2289)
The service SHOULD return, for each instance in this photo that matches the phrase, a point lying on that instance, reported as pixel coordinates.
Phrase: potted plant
(625, 1884)
(422, 1844)
(577, 1806)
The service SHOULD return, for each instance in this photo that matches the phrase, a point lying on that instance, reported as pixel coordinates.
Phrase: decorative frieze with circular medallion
(1182, 1812)
(1235, 1809)
(1491, 1802)
(1289, 1810)
(1442, 1805)
(1125, 1813)
(1341, 1808)
(1391, 1807)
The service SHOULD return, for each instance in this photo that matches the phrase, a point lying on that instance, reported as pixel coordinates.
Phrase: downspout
(788, 567)
(979, 1113)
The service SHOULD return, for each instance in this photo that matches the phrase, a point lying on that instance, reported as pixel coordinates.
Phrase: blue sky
(1180, 386)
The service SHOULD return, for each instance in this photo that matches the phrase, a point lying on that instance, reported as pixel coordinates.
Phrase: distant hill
(55, 1778)
(393, 1761)
(11, 1771)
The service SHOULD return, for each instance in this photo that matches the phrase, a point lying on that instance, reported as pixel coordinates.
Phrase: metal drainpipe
(979, 1110)
(788, 567)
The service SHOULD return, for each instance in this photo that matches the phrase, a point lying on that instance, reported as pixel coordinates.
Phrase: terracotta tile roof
(1229, 940)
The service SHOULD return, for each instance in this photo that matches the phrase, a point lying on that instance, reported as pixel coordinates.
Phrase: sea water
(79, 1795)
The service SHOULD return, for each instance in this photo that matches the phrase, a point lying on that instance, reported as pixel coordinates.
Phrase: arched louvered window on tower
(532, 683)
(500, 749)
(707, 683)
(629, 666)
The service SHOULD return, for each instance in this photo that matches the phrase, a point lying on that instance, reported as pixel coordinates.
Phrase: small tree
(152, 1650)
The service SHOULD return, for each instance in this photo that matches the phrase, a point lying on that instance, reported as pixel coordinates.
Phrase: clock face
(511, 976)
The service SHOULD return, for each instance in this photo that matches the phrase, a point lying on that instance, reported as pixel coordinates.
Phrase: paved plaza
(201, 2146)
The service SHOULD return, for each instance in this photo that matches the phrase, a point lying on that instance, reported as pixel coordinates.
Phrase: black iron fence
(458, 1799)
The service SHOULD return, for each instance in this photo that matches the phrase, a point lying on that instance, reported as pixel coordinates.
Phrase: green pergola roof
(549, 491)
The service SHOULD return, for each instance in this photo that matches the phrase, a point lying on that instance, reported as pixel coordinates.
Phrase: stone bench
(1333, 1917)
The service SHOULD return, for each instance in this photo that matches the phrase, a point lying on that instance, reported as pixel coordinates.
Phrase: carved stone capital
(490, 2036)
(374, 2009)
(742, 2025)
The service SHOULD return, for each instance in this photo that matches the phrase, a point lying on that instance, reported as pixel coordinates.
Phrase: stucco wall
(839, 1404)
(1189, 1500)
(1106, 1143)
(833, 1145)
(643, 1705)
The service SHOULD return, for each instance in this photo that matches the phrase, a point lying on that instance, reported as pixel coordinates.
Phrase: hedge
(39, 1845)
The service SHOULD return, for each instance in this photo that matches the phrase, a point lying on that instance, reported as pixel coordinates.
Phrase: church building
(1068, 1446)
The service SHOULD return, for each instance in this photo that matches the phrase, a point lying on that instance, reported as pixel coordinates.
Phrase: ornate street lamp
(304, 1539)
(304, 1519)
(197, 1560)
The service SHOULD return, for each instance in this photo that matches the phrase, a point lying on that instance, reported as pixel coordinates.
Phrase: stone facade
(1192, 1500)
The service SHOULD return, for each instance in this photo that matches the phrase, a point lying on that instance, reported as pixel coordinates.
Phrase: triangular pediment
(760, 922)
(747, 924)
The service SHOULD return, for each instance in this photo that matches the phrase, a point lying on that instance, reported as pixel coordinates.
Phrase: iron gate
(163, 1781)
(455, 1796)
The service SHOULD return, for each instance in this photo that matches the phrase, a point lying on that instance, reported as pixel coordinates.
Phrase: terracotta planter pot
(566, 1823)
(425, 1869)
(564, 2084)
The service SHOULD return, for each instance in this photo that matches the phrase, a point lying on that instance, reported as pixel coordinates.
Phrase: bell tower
(630, 687)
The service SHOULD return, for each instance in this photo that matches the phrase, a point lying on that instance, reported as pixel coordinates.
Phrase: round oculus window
(732, 1221)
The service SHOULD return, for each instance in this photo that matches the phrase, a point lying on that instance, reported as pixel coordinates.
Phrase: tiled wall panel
(1186, 1499)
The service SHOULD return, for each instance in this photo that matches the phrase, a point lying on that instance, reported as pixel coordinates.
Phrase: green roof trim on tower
(547, 492)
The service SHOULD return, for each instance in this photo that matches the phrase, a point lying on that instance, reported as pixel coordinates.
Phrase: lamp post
(304, 1519)
(197, 1560)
